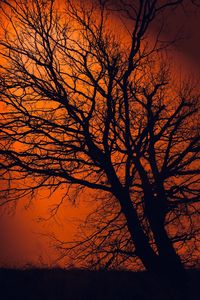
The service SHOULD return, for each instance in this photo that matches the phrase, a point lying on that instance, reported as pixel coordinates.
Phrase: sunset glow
(46, 136)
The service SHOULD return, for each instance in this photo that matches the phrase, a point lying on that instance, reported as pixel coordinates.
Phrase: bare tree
(83, 108)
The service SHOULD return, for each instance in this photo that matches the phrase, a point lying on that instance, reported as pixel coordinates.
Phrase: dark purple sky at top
(185, 20)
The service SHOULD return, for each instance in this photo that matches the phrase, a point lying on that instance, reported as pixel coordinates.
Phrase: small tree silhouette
(83, 108)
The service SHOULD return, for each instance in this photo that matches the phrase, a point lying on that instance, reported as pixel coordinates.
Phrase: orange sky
(22, 239)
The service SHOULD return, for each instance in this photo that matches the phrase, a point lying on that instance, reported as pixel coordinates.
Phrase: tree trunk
(166, 263)
(143, 249)
(169, 259)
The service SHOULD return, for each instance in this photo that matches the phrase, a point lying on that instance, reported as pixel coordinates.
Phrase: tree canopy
(83, 107)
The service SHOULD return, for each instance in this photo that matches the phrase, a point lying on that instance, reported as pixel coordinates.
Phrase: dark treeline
(56, 284)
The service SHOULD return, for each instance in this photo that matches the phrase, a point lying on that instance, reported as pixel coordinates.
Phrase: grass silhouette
(43, 284)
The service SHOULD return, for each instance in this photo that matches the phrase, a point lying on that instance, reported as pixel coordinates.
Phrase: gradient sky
(22, 239)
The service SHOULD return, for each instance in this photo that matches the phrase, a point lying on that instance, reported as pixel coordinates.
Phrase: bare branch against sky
(85, 108)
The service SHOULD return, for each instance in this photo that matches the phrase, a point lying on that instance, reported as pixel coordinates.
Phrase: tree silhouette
(83, 108)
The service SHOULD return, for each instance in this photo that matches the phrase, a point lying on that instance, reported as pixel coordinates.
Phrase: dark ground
(48, 284)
